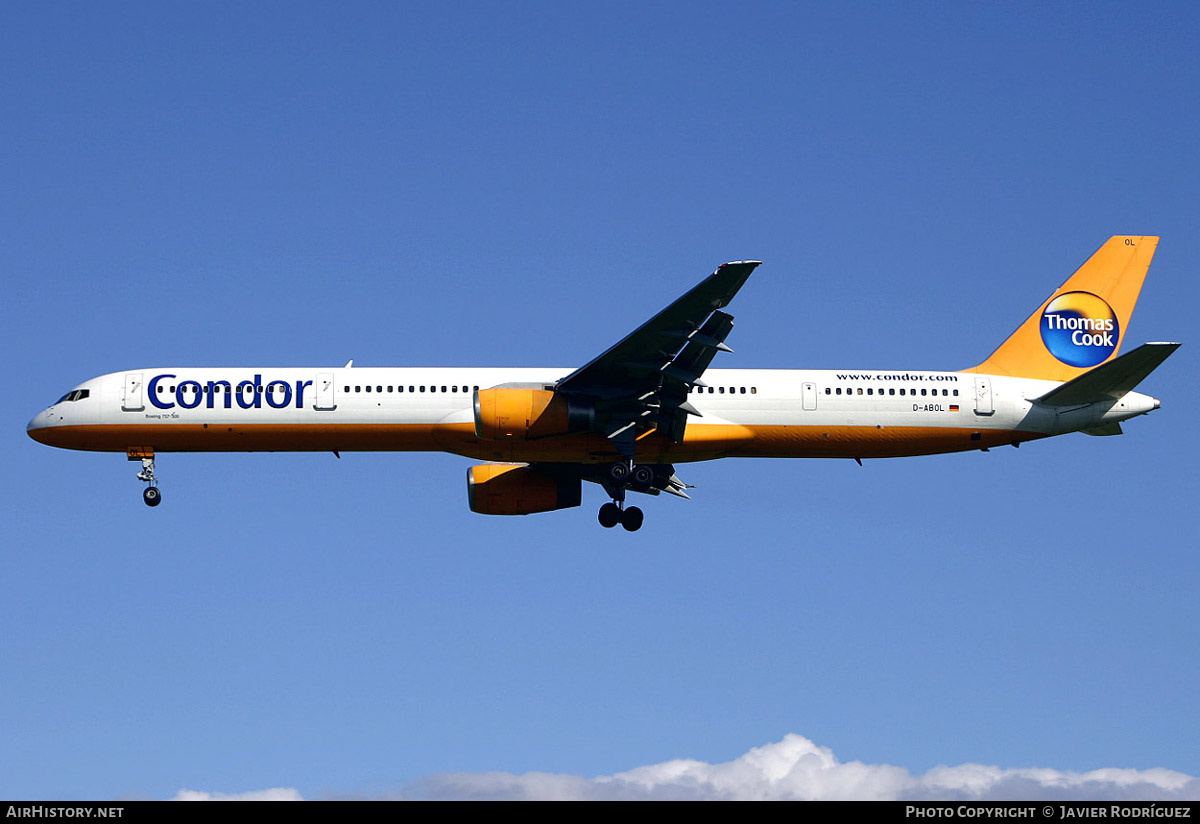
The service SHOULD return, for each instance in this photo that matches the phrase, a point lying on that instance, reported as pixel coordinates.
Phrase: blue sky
(490, 184)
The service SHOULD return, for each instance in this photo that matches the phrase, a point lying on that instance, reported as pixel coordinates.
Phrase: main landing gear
(612, 514)
(150, 494)
(623, 475)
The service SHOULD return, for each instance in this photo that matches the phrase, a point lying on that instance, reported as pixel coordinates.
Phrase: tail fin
(1082, 324)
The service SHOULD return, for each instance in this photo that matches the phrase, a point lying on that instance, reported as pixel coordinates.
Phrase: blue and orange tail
(1082, 324)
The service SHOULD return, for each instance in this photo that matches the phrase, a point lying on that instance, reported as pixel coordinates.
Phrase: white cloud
(274, 794)
(792, 769)
(797, 769)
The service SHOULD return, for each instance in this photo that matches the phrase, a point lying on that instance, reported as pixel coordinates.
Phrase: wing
(643, 381)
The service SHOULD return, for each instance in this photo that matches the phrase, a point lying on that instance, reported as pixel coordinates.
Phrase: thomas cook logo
(1080, 329)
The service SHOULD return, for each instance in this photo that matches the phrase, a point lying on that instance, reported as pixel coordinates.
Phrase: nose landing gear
(150, 494)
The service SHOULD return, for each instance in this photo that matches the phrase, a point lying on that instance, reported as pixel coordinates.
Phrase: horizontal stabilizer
(1111, 380)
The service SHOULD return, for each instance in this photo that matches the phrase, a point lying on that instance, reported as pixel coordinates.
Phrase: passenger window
(922, 393)
(956, 393)
(443, 389)
(870, 391)
(839, 390)
(753, 390)
(368, 389)
(860, 390)
(827, 390)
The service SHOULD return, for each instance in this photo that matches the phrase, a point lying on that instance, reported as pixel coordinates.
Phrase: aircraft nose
(36, 428)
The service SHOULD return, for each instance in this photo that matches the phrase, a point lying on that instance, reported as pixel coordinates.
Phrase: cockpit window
(74, 395)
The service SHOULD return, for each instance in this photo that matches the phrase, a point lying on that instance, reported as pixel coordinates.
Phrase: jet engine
(517, 413)
(517, 489)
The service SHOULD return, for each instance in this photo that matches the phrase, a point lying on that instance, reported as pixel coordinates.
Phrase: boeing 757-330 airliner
(625, 419)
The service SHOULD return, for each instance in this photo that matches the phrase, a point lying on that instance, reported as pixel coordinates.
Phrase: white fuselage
(743, 412)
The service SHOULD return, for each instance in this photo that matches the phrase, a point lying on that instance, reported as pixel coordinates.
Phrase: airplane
(627, 417)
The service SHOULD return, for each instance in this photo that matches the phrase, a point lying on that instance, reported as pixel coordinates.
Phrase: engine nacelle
(517, 489)
(519, 414)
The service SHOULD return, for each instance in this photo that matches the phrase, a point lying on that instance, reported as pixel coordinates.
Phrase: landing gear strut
(150, 494)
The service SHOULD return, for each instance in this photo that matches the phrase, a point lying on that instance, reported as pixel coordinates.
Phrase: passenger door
(131, 397)
(808, 396)
(325, 392)
(983, 396)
